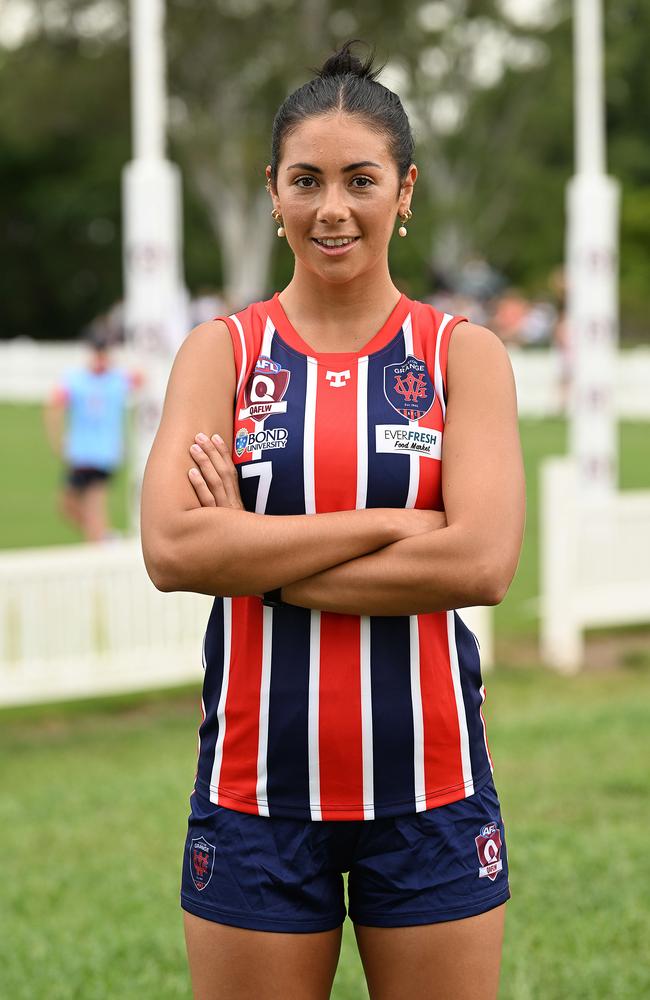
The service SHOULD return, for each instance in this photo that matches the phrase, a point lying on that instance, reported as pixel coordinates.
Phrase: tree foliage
(490, 101)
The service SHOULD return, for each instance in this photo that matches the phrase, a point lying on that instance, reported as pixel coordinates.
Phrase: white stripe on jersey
(310, 435)
(366, 718)
(265, 692)
(244, 362)
(414, 468)
(487, 749)
(265, 350)
(314, 625)
(468, 779)
(312, 724)
(437, 374)
(364, 620)
(362, 432)
(203, 661)
(221, 707)
(418, 717)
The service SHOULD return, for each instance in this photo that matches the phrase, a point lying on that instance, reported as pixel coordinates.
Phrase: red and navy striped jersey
(325, 716)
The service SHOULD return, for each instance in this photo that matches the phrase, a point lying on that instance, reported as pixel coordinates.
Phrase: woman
(360, 467)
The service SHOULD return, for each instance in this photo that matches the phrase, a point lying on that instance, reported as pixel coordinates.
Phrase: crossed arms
(196, 536)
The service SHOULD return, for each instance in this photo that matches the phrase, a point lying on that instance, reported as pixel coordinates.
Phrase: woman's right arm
(225, 551)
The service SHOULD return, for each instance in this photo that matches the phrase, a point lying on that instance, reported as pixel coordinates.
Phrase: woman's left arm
(471, 559)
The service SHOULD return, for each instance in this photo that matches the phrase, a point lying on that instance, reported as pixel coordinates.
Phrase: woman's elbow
(495, 580)
(160, 567)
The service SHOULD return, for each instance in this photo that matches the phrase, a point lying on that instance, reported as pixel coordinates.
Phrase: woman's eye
(366, 181)
(299, 181)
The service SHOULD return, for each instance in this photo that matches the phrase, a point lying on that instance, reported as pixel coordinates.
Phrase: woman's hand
(214, 477)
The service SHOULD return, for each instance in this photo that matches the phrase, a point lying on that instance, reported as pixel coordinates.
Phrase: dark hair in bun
(344, 83)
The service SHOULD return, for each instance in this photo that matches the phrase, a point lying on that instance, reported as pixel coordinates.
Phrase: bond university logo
(201, 862)
(408, 388)
(264, 391)
(338, 379)
(488, 847)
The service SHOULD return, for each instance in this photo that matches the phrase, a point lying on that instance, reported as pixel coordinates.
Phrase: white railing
(29, 370)
(595, 563)
(84, 620)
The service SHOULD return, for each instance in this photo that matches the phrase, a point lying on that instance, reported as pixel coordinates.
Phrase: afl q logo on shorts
(488, 846)
(265, 390)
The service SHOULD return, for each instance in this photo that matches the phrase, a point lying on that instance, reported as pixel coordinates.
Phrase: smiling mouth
(335, 241)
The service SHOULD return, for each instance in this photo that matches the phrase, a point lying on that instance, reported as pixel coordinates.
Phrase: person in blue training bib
(356, 477)
(84, 420)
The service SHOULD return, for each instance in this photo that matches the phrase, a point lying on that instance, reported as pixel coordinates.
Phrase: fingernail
(202, 437)
(217, 437)
(194, 472)
(195, 448)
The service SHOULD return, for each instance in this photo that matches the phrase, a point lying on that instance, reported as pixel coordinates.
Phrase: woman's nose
(333, 206)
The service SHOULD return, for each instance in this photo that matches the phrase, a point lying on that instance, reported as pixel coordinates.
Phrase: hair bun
(343, 63)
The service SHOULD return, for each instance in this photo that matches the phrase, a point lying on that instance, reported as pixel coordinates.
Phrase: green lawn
(93, 818)
(29, 517)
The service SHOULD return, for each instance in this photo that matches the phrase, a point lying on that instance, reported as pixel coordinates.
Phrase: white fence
(29, 371)
(595, 563)
(82, 620)
(85, 620)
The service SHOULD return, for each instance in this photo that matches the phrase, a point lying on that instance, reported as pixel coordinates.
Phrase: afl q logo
(488, 848)
(264, 391)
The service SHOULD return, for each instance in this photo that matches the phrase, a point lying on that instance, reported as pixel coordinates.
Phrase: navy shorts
(276, 874)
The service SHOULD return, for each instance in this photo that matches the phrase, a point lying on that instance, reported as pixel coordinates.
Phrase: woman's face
(337, 179)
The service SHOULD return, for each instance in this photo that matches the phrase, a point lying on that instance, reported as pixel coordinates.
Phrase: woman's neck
(338, 317)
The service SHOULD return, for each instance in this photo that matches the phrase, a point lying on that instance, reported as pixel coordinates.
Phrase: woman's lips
(336, 251)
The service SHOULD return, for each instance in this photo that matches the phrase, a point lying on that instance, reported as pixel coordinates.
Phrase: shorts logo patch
(264, 390)
(201, 862)
(408, 388)
(488, 847)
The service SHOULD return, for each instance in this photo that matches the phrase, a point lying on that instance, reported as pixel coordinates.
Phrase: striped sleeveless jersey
(324, 716)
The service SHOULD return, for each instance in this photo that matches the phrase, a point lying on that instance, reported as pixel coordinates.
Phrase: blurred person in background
(356, 475)
(85, 425)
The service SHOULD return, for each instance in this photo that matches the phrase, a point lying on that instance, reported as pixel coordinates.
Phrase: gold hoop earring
(408, 214)
(277, 215)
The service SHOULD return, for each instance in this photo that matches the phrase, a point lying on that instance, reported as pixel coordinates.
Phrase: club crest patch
(408, 388)
(201, 862)
(264, 390)
(488, 847)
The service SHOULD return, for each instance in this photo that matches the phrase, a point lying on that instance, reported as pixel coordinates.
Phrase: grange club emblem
(408, 388)
(201, 862)
(488, 847)
(264, 390)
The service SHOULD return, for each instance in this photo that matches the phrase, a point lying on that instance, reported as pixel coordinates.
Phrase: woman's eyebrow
(344, 170)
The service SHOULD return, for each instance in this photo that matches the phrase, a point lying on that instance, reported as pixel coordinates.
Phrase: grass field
(95, 798)
(93, 818)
